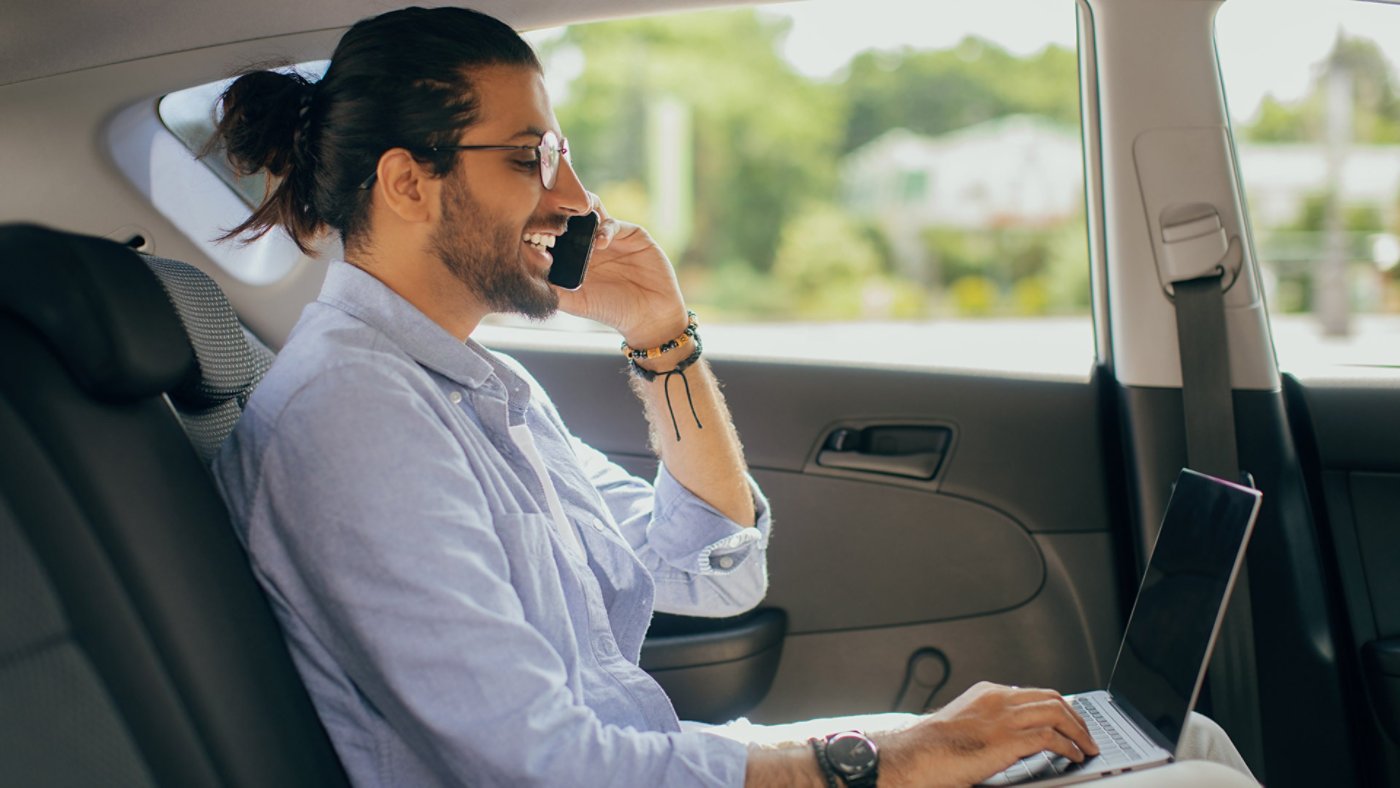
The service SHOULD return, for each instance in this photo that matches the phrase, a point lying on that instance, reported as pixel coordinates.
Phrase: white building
(1018, 170)
(1024, 170)
(1279, 177)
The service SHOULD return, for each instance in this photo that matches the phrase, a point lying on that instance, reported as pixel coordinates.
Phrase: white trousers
(1206, 758)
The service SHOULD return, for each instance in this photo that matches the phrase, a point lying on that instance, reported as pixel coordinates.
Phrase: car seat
(136, 647)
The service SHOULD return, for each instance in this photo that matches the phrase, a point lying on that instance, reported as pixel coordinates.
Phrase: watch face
(851, 754)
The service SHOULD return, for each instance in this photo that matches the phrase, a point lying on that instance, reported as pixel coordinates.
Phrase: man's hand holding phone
(629, 283)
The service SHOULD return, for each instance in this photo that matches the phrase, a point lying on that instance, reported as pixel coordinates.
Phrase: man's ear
(406, 187)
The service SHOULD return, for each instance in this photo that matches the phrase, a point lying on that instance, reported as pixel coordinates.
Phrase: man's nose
(568, 195)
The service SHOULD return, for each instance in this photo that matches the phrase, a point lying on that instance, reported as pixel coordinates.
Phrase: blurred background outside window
(881, 182)
(1311, 86)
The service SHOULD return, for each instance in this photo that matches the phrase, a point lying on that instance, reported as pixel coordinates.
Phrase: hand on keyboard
(981, 732)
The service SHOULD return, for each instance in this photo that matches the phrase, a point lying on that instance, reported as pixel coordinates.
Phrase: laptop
(1162, 660)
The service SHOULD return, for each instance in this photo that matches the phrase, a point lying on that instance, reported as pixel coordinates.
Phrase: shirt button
(456, 397)
(605, 644)
(725, 563)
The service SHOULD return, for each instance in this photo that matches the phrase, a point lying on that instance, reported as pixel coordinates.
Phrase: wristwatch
(850, 756)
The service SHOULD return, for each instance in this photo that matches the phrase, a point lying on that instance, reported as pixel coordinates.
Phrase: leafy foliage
(764, 134)
(1375, 104)
(933, 92)
(769, 239)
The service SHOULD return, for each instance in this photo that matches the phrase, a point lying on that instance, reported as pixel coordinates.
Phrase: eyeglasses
(548, 153)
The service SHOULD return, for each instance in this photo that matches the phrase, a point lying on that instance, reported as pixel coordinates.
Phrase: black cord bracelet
(649, 376)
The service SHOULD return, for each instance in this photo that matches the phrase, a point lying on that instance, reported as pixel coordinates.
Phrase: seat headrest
(227, 365)
(98, 306)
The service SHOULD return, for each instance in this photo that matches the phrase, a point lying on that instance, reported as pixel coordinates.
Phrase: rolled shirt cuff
(693, 536)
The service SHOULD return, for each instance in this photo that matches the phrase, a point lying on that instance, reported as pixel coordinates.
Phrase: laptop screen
(1178, 609)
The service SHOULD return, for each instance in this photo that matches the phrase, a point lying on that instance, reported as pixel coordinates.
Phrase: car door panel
(1003, 563)
(1352, 428)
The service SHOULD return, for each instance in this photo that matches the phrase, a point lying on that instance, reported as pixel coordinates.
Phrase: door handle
(911, 452)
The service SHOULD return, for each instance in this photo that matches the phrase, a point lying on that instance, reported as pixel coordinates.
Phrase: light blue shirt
(446, 629)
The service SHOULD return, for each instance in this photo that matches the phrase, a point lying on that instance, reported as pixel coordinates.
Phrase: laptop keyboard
(1114, 750)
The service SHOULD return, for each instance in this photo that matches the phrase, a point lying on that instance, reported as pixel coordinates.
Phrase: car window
(1315, 108)
(884, 183)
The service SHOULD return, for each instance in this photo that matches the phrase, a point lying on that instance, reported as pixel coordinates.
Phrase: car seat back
(135, 644)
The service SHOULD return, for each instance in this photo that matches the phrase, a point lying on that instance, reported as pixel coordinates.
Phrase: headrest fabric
(227, 365)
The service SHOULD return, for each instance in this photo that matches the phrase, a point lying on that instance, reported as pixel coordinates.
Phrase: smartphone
(571, 251)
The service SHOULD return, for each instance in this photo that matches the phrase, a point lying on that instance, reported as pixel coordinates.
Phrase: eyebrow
(532, 131)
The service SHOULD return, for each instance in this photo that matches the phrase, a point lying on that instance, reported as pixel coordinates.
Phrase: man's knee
(1199, 728)
(1202, 739)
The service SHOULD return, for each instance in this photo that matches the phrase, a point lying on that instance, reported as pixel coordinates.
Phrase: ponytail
(266, 124)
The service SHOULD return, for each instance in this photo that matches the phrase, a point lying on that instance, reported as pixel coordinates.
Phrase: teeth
(540, 239)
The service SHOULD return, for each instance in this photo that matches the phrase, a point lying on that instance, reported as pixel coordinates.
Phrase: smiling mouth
(541, 241)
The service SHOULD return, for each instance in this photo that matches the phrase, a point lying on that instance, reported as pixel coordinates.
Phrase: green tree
(765, 137)
(1376, 105)
(933, 92)
(827, 263)
(1278, 122)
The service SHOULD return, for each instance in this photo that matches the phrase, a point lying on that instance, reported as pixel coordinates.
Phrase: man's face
(493, 200)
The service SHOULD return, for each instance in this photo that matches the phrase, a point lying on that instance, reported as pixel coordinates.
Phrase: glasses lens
(549, 159)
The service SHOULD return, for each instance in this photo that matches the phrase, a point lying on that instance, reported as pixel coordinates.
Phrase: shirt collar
(359, 294)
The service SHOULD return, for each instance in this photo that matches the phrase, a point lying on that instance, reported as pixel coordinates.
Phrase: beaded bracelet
(649, 376)
(643, 354)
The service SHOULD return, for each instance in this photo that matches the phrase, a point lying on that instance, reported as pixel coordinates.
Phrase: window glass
(1315, 108)
(879, 183)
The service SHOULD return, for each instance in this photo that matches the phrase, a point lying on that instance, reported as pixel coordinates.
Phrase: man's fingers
(1056, 714)
(607, 226)
(606, 232)
(1033, 694)
(1092, 748)
(1055, 741)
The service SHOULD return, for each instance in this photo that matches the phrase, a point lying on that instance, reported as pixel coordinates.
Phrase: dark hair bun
(262, 115)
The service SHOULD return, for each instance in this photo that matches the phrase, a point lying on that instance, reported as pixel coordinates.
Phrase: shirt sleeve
(397, 569)
(704, 563)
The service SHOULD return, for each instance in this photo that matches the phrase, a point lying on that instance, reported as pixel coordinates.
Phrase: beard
(484, 254)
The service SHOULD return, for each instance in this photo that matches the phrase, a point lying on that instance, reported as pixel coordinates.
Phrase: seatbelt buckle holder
(1195, 244)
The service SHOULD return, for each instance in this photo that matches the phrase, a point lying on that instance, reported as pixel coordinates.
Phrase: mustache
(556, 224)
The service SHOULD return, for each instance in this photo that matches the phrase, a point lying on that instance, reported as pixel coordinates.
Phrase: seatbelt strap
(1207, 400)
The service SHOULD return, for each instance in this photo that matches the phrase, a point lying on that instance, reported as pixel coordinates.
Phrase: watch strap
(819, 747)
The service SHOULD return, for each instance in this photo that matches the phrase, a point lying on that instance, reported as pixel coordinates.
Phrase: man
(464, 585)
